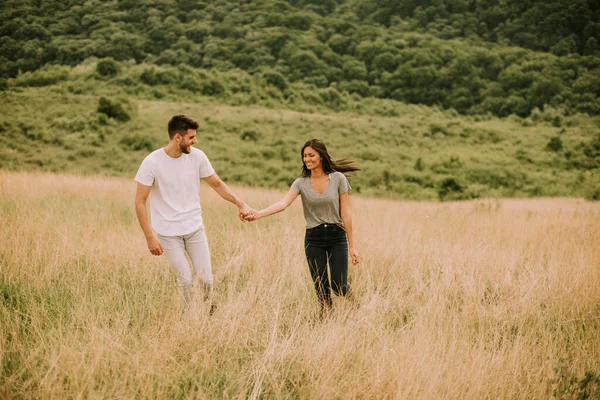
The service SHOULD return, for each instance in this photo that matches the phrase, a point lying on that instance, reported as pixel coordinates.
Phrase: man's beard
(185, 149)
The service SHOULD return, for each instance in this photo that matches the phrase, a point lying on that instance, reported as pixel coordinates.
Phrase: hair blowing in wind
(343, 165)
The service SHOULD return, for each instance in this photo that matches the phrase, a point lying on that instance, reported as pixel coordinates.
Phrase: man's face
(187, 141)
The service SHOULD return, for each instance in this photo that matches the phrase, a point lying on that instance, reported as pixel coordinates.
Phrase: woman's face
(312, 159)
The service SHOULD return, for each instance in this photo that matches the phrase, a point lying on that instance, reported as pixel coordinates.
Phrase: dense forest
(474, 56)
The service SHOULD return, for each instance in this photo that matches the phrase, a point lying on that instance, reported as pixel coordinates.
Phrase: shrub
(453, 162)
(275, 79)
(166, 77)
(107, 67)
(437, 128)
(250, 135)
(451, 189)
(555, 144)
(355, 86)
(301, 21)
(593, 194)
(147, 77)
(113, 110)
(212, 87)
(332, 98)
(137, 142)
(369, 156)
(419, 164)
(43, 77)
(568, 385)
(305, 63)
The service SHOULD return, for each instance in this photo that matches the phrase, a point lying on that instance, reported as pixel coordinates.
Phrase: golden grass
(485, 299)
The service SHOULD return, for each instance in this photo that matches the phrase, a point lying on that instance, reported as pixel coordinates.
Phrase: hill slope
(452, 53)
(85, 124)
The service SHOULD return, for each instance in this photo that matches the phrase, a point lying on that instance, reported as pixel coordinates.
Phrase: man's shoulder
(152, 158)
(197, 151)
(154, 155)
(198, 154)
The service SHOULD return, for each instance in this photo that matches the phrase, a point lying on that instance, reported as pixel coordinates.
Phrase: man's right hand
(253, 216)
(155, 247)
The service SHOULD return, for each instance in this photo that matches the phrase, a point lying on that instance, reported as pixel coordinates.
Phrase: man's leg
(197, 248)
(175, 251)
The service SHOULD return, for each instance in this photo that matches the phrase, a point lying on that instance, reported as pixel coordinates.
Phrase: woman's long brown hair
(344, 165)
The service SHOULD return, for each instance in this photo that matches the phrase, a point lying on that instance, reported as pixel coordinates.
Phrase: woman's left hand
(355, 256)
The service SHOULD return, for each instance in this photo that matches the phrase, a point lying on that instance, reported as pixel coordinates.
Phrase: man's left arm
(225, 192)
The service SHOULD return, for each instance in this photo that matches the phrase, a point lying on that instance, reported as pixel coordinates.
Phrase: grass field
(481, 299)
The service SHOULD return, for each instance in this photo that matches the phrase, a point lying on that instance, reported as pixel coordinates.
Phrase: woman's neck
(317, 173)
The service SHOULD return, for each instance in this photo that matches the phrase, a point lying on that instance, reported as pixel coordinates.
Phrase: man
(171, 176)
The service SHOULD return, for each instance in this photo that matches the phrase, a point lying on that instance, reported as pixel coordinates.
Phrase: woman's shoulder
(338, 175)
(299, 181)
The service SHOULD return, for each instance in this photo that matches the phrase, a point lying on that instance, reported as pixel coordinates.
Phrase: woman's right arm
(276, 207)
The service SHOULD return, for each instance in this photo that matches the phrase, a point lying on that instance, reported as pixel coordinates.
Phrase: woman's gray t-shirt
(322, 208)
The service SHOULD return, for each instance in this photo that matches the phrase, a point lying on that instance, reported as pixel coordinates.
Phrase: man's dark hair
(180, 124)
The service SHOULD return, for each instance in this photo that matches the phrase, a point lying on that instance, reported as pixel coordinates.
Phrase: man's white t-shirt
(175, 194)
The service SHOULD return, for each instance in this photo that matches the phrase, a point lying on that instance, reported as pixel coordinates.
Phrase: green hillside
(450, 53)
(85, 123)
(435, 100)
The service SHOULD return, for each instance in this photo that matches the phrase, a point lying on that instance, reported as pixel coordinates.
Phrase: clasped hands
(248, 214)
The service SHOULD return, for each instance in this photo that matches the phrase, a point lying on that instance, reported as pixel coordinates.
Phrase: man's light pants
(196, 246)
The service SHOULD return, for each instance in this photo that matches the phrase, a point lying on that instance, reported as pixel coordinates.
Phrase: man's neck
(173, 150)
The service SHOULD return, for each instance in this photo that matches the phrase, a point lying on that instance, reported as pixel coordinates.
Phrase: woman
(324, 190)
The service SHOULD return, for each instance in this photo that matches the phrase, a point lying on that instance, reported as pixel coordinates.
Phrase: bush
(250, 135)
(419, 164)
(555, 144)
(437, 128)
(137, 142)
(593, 194)
(107, 67)
(451, 189)
(274, 78)
(43, 77)
(147, 77)
(212, 87)
(112, 110)
(332, 98)
(359, 87)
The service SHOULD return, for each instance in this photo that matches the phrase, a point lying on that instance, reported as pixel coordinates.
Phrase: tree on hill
(449, 53)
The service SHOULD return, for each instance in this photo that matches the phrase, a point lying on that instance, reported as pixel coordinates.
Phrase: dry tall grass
(487, 299)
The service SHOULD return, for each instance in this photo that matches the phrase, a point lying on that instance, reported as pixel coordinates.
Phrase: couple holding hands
(171, 177)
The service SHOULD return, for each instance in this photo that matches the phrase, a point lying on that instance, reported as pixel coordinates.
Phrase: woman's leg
(338, 264)
(317, 263)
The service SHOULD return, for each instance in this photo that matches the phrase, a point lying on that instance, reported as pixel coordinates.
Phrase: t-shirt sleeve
(145, 174)
(206, 168)
(343, 184)
(296, 185)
